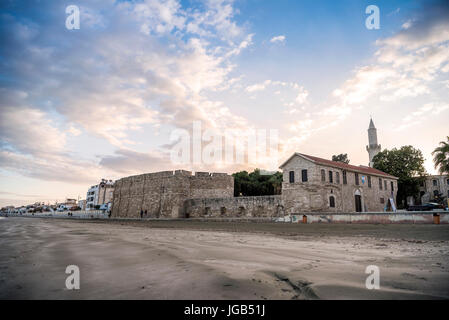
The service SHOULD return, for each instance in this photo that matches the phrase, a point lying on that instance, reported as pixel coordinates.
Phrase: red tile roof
(344, 166)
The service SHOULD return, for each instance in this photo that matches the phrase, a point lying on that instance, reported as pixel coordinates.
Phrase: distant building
(67, 205)
(99, 194)
(434, 186)
(70, 202)
(82, 204)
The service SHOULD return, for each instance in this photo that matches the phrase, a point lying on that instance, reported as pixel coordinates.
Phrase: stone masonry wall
(241, 207)
(314, 195)
(163, 194)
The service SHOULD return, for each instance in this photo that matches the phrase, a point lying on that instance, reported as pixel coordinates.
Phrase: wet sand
(220, 260)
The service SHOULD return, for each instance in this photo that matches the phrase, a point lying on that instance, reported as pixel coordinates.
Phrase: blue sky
(102, 101)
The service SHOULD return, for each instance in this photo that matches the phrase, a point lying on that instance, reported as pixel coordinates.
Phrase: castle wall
(240, 207)
(163, 194)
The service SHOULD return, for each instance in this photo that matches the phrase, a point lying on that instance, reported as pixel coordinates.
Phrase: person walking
(141, 213)
(146, 212)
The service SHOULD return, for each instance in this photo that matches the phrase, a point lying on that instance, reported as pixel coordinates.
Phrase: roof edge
(354, 169)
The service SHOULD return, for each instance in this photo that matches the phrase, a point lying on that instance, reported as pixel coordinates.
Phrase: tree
(341, 158)
(256, 184)
(406, 163)
(441, 157)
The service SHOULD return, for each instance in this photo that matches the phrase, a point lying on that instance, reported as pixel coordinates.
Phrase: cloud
(278, 39)
(258, 86)
(29, 130)
(51, 168)
(132, 65)
(129, 162)
(406, 63)
(422, 114)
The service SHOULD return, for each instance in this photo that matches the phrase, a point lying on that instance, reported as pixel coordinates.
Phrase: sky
(108, 100)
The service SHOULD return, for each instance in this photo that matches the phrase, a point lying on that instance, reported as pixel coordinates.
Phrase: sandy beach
(220, 260)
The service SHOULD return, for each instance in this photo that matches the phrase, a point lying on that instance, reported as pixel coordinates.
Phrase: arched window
(331, 202)
(323, 175)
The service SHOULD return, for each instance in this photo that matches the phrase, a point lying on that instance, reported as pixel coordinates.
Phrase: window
(382, 200)
(380, 184)
(435, 183)
(421, 183)
(369, 181)
(292, 176)
(331, 202)
(331, 177)
(223, 211)
(392, 185)
(356, 175)
(323, 175)
(448, 193)
(337, 177)
(304, 175)
(447, 182)
(385, 185)
(345, 179)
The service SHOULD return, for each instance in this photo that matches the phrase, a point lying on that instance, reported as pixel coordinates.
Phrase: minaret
(373, 148)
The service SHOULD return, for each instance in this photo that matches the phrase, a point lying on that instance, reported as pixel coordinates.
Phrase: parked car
(429, 206)
(436, 205)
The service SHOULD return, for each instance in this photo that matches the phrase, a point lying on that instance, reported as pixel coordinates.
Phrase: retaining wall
(428, 217)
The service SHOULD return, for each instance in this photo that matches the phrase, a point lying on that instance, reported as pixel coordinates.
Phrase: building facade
(434, 186)
(100, 194)
(312, 184)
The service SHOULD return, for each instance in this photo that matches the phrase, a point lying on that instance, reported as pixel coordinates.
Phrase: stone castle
(164, 194)
(310, 184)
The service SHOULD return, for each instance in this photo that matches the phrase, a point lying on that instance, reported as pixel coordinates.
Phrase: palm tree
(441, 157)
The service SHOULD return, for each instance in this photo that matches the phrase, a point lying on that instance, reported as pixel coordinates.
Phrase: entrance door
(358, 203)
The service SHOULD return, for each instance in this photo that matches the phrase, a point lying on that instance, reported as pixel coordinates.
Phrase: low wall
(92, 214)
(255, 207)
(373, 217)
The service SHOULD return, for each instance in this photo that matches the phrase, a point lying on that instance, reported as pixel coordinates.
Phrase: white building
(100, 194)
(82, 204)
